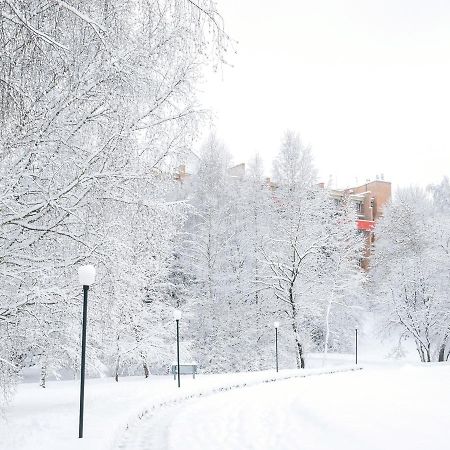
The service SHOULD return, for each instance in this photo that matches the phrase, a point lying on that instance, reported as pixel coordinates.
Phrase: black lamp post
(276, 325)
(177, 317)
(86, 276)
(356, 346)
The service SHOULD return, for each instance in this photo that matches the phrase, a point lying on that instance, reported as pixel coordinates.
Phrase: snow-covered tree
(208, 252)
(344, 278)
(312, 243)
(441, 200)
(258, 219)
(97, 100)
(411, 271)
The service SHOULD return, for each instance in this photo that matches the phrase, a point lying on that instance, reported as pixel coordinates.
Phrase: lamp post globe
(177, 314)
(276, 324)
(86, 276)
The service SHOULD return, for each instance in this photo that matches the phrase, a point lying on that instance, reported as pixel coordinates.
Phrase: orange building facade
(370, 200)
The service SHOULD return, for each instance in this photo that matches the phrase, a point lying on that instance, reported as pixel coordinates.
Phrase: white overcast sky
(365, 83)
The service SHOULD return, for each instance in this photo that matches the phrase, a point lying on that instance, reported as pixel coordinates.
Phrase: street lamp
(86, 275)
(276, 325)
(356, 345)
(177, 317)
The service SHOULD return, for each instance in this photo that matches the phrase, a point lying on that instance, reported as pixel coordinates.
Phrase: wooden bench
(185, 369)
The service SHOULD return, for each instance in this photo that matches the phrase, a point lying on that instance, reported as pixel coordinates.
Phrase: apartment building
(369, 199)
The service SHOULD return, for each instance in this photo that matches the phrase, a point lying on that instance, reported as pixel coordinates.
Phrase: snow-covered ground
(398, 406)
(385, 409)
(388, 405)
(48, 418)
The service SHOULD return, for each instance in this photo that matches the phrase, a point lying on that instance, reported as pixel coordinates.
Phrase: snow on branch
(45, 37)
(95, 25)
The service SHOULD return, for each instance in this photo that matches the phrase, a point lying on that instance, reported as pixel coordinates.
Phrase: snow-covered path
(377, 409)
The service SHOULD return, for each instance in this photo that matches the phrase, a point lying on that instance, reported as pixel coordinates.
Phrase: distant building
(369, 199)
(181, 174)
(237, 171)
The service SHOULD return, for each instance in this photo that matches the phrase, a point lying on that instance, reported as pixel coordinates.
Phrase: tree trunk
(300, 357)
(146, 371)
(258, 347)
(116, 376)
(441, 356)
(327, 333)
(298, 344)
(43, 377)
(420, 350)
(424, 352)
(427, 352)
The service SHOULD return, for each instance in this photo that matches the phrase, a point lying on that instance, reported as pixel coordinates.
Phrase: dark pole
(83, 360)
(356, 345)
(276, 347)
(178, 351)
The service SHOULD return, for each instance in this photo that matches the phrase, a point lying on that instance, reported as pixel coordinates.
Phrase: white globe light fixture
(177, 314)
(86, 275)
(276, 324)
